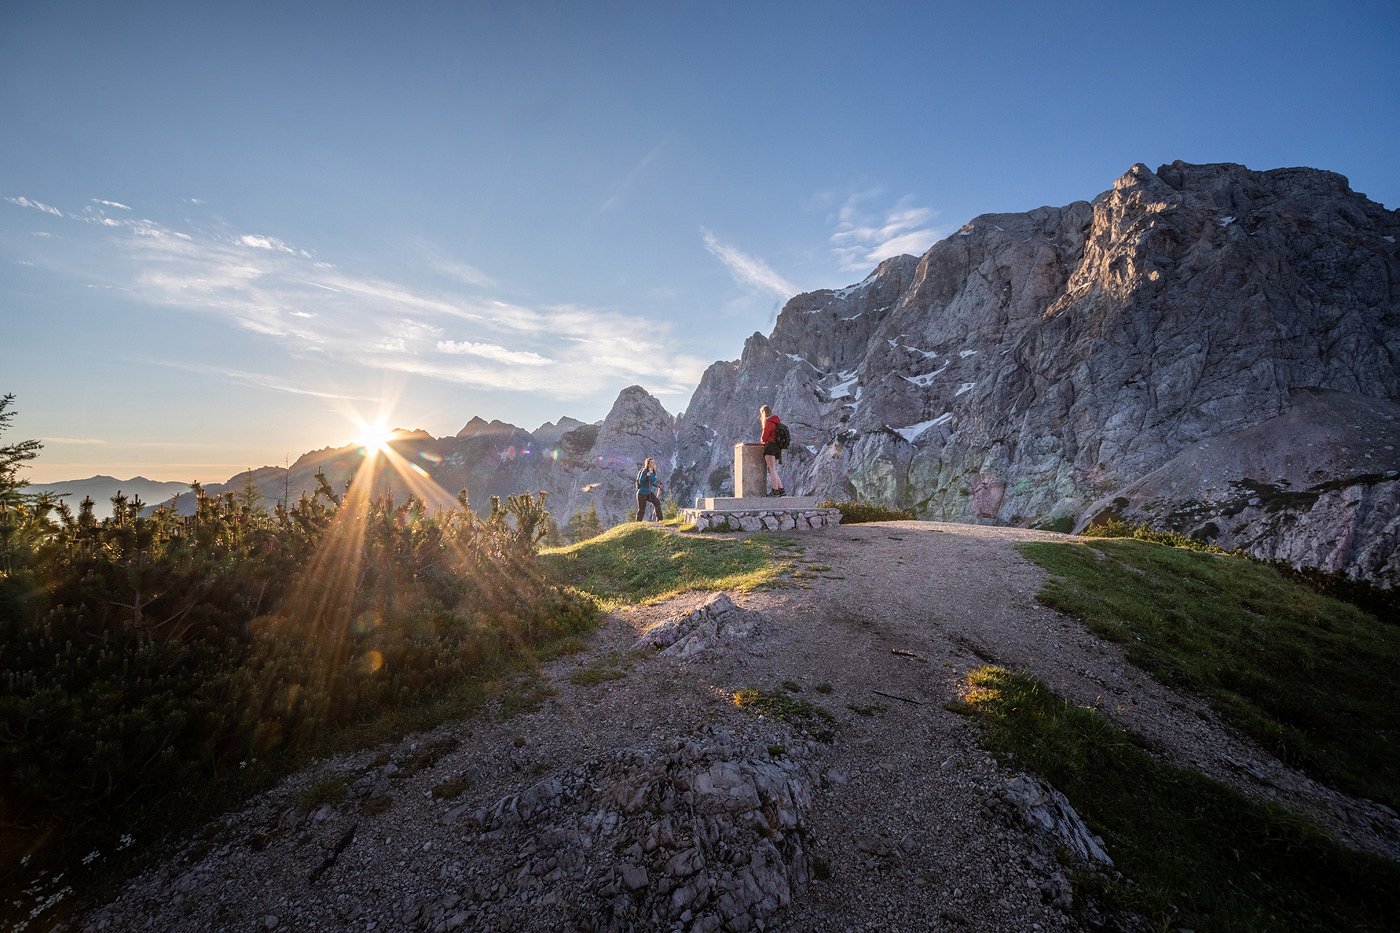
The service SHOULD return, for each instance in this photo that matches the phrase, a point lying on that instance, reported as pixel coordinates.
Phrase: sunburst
(374, 438)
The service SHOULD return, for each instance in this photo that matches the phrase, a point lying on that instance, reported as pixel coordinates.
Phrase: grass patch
(1199, 855)
(452, 788)
(522, 695)
(860, 513)
(1311, 678)
(638, 563)
(1113, 528)
(787, 708)
(595, 674)
(328, 790)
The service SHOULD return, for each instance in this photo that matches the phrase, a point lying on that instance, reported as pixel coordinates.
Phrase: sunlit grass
(1311, 678)
(639, 563)
(1196, 854)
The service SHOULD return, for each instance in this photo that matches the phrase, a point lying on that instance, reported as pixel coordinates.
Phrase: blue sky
(228, 229)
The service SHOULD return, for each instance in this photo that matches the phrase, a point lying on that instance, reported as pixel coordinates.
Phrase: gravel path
(637, 802)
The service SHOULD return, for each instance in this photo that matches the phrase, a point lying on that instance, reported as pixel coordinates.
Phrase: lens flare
(374, 438)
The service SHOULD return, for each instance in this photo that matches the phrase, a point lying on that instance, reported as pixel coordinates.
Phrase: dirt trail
(906, 820)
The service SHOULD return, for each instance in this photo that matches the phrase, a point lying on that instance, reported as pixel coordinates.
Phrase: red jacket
(770, 430)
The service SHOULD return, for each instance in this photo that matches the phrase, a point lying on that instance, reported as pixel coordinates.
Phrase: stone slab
(750, 473)
(756, 503)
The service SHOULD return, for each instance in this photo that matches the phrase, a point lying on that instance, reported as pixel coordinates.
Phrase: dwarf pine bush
(145, 655)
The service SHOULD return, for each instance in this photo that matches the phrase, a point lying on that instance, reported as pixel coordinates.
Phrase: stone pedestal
(750, 473)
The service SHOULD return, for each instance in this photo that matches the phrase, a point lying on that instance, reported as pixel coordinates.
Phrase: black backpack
(782, 437)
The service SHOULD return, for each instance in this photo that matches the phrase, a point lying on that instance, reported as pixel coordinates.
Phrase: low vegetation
(858, 513)
(1113, 528)
(1310, 677)
(1196, 854)
(641, 563)
(785, 707)
(1381, 603)
(156, 667)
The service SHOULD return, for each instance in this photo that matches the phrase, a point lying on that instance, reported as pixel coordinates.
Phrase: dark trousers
(642, 501)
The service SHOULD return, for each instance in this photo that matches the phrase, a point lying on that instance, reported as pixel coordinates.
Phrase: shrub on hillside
(144, 656)
(1113, 528)
(856, 513)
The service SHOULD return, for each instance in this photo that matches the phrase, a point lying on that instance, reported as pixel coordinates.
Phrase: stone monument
(751, 508)
(750, 473)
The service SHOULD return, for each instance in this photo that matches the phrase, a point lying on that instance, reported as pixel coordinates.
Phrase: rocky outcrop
(1317, 486)
(715, 624)
(1032, 365)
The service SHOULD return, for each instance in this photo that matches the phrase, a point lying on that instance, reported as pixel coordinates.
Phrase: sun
(374, 438)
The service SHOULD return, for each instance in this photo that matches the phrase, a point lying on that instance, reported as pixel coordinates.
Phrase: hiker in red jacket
(772, 450)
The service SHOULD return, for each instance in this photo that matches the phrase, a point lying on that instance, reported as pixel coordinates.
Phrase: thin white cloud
(866, 236)
(491, 351)
(624, 184)
(195, 201)
(80, 441)
(117, 204)
(265, 381)
(266, 242)
(462, 272)
(43, 236)
(36, 205)
(748, 271)
(361, 324)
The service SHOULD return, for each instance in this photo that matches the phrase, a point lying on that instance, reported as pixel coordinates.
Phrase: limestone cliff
(1033, 365)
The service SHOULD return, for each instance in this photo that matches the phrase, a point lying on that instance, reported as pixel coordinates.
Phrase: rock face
(1045, 368)
(716, 623)
(1032, 366)
(1316, 486)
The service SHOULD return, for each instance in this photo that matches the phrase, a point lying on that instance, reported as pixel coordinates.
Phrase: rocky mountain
(1204, 347)
(1034, 366)
(549, 433)
(577, 464)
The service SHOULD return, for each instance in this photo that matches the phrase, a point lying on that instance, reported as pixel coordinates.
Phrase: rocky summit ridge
(1032, 366)
(1204, 347)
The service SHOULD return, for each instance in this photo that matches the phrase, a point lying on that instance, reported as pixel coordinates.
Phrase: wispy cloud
(80, 441)
(265, 381)
(271, 243)
(36, 205)
(43, 235)
(117, 204)
(460, 271)
(491, 351)
(625, 183)
(749, 271)
(307, 308)
(866, 235)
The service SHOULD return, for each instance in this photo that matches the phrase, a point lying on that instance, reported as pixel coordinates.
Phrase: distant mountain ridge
(102, 488)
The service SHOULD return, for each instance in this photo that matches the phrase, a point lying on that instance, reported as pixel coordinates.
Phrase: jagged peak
(632, 398)
(478, 426)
